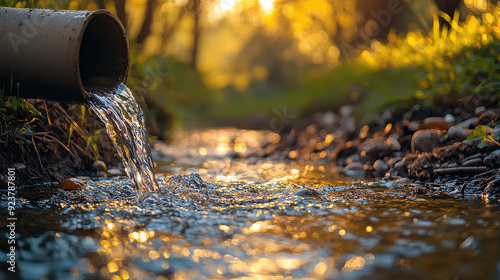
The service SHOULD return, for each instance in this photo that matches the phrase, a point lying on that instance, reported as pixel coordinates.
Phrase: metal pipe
(56, 55)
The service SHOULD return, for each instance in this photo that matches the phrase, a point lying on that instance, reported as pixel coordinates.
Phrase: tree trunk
(100, 4)
(120, 11)
(196, 34)
(169, 30)
(148, 20)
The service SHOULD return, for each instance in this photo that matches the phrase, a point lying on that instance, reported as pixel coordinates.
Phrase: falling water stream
(124, 122)
(217, 210)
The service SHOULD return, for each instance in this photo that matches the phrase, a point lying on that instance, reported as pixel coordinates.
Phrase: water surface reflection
(244, 217)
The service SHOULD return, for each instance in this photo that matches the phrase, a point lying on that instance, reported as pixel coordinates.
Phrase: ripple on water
(238, 218)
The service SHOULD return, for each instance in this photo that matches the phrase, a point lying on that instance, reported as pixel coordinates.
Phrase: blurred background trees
(231, 62)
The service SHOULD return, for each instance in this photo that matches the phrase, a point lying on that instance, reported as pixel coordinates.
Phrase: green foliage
(481, 133)
(444, 66)
(17, 119)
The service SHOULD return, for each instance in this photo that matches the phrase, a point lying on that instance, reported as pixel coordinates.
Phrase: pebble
(355, 169)
(493, 158)
(434, 122)
(99, 165)
(450, 119)
(479, 110)
(413, 126)
(328, 119)
(376, 148)
(457, 133)
(115, 172)
(425, 140)
(473, 162)
(468, 124)
(354, 166)
(307, 193)
(72, 184)
(353, 158)
(487, 117)
(392, 161)
(409, 159)
(393, 143)
(399, 169)
(380, 168)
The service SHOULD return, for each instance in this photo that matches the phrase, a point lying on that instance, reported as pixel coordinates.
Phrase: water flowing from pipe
(124, 121)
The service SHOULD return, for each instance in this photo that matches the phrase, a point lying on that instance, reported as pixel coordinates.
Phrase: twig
(77, 127)
(47, 112)
(39, 158)
(55, 139)
(461, 169)
(81, 149)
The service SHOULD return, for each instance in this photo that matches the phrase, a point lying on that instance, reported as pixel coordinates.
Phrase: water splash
(124, 122)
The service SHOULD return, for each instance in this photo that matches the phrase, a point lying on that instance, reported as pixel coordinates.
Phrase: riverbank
(47, 142)
(427, 145)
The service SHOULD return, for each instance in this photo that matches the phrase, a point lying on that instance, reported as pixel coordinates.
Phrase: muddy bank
(424, 144)
(62, 141)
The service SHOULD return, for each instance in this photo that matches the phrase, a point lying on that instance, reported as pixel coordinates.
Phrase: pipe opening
(103, 61)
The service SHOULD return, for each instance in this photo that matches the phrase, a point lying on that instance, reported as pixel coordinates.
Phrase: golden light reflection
(240, 147)
(320, 268)
(295, 171)
(153, 254)
(256, 227)
(342, 232)
(112, 267)
(225, 7)
(289, 264)
(135, 235)
(229, 178)
(124, 274)
(202, 151)
(369, 229)
(267, 5)
(224, 228)
(332, 228)
(141, 236)
(222, 149)
(354, 263)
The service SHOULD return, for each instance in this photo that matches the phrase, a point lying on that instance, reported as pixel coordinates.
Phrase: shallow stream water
(220, 213)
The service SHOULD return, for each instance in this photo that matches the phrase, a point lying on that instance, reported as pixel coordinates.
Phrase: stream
(221, 213)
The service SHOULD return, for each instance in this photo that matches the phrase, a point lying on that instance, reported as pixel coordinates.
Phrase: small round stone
(72, 184)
